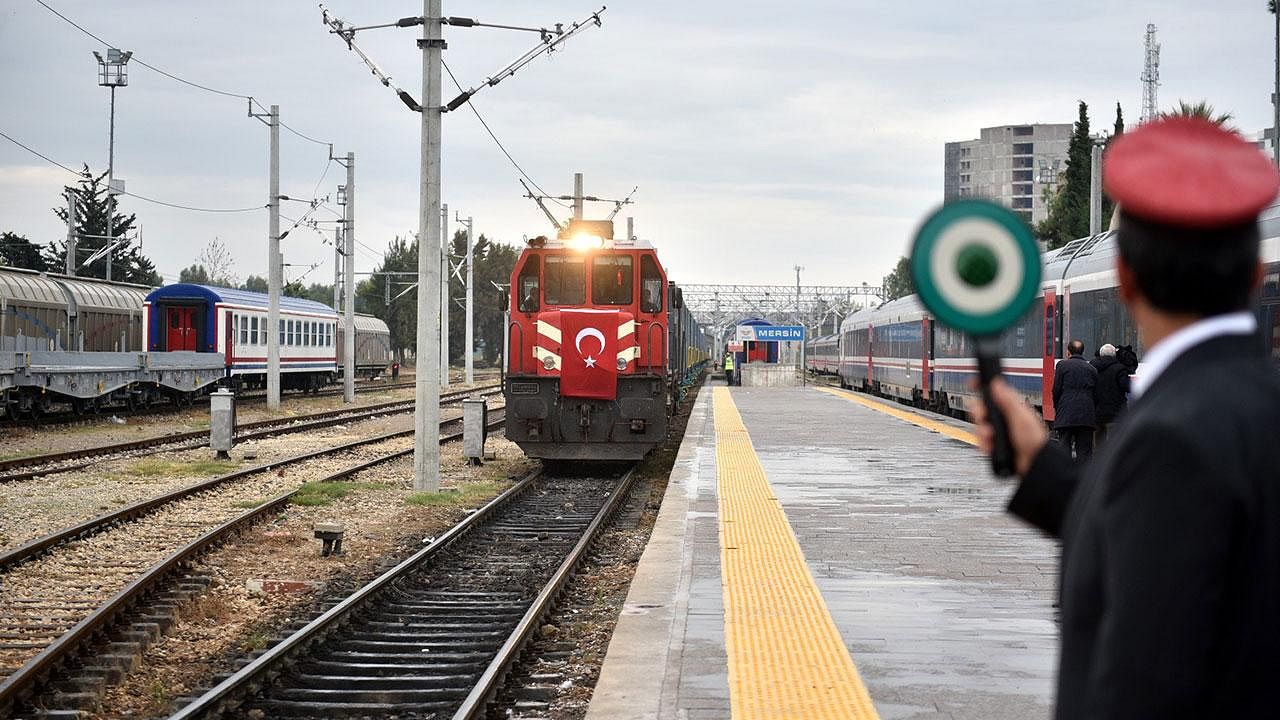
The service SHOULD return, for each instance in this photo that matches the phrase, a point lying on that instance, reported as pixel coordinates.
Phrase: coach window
(290, 329)
(612, 280)
(243, 322)
(281, 328)
(566, 282)
(650, 285)
(527, 286)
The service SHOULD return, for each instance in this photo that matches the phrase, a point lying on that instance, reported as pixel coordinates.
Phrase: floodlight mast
(427, 415)
(112, 73)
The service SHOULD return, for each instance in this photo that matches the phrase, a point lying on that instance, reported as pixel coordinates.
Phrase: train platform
(823, 554)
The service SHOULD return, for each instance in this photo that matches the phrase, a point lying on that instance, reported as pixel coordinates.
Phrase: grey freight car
(41, 311)
(373, 345)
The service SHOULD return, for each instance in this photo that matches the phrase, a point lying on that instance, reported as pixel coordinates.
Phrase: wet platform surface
(944, 602)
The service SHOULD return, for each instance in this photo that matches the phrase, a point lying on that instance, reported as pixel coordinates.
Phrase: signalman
(1170, 589)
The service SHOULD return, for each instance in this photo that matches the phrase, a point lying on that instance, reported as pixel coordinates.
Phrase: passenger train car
(88, 343)
(898, 351)
(208, 319)
(599, 345)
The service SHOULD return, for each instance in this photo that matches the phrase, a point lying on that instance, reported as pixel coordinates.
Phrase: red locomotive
(598, 345)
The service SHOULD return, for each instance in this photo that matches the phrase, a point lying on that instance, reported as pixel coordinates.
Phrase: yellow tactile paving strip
(786, 656)
(927, 423)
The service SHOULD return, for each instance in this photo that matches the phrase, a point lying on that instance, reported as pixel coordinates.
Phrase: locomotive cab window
(528, 288)
(566, 281)
(650, 285)
(612, 278)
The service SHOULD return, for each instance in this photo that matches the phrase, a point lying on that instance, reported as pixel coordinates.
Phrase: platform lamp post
(112, 73)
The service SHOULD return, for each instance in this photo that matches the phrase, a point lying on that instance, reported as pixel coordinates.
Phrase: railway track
(51, 463)
(434, 636)
(58, 651)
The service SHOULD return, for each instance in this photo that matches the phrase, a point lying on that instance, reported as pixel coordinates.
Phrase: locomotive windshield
(612, 278)
(566, 281)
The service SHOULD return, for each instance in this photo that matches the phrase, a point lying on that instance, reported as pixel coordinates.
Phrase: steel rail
(279, 426)
(40, 545)
(487, 686)
(22, 684)
(228, 694)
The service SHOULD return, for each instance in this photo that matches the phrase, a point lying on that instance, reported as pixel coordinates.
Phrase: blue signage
(771, 333)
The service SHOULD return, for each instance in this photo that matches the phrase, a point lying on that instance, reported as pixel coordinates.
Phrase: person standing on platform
(728, 368)
(1170, 574)
(1113, 389)
(1074, 385)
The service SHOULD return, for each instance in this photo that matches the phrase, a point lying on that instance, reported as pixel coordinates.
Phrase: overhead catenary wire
(496, 141)
(82, 174)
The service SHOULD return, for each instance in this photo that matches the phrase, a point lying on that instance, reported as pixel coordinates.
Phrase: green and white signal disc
(976, 266)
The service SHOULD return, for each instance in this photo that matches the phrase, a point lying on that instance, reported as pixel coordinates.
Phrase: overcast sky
(761, 135)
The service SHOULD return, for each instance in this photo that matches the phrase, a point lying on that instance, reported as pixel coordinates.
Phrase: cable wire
(498, 142)
(77, 173)
(171, 76)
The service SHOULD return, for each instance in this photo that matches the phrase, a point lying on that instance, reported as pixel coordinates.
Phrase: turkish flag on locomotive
(589, 354)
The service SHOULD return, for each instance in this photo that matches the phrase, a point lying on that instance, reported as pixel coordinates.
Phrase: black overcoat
(1170, 577)
(1074, 386)
(1113, 387)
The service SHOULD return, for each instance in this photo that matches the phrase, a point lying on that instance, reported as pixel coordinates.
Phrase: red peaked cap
(1188, 172)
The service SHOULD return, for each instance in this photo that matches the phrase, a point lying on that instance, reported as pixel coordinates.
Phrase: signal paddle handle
(988, 370)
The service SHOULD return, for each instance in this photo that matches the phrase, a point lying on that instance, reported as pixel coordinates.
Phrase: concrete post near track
(349, 306)
(469, 349)
(1095, 189)
(426, 449)
(445, 242)
(274, 268)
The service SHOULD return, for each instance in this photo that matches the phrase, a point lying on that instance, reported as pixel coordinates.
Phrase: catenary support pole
(577, 196)
(349, 308)
(469, 350)
(426, 455)
(337, 268)
(1095, 189)
(445, 243)
(1275, 100)
(71, 233)
(274, 268)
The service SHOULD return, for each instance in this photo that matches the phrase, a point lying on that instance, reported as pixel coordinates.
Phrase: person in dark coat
(1074, 386)
(1170, 574)
(1113, 389)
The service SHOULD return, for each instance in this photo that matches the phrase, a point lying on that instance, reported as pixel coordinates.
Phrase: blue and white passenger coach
(200, 318)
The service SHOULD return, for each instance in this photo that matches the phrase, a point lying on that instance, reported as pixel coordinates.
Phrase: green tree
(17, 251)
(1203, 110)
(899, 282)
(196, 274)
(256, 283)
(401, 315)
(92, 208)
(1068, 217)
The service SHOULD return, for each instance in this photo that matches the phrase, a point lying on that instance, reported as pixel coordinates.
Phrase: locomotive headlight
(587, 241)
(548, 362)
(622, 363)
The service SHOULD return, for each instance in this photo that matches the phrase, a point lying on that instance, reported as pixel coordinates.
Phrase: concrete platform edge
(640, 675)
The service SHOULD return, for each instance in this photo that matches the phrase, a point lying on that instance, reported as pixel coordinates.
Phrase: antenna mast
(1150, 76)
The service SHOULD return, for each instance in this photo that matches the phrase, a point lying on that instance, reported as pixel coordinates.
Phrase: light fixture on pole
(112, 73)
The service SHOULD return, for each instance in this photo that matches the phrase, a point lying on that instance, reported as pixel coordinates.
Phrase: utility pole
(349, 309)
(337, 268)
(445, 242)
(469, 349)
(71, 233)
(577, 196)
(274, 268)
(426, 451)
(426, 457)
(1095, 189)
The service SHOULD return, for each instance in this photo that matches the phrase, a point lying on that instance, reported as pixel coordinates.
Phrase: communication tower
(1150, 76)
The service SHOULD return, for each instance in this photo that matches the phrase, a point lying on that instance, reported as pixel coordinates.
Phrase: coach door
(181, 324)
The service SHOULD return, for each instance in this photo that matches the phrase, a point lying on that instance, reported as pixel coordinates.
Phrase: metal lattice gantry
(820, 308)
